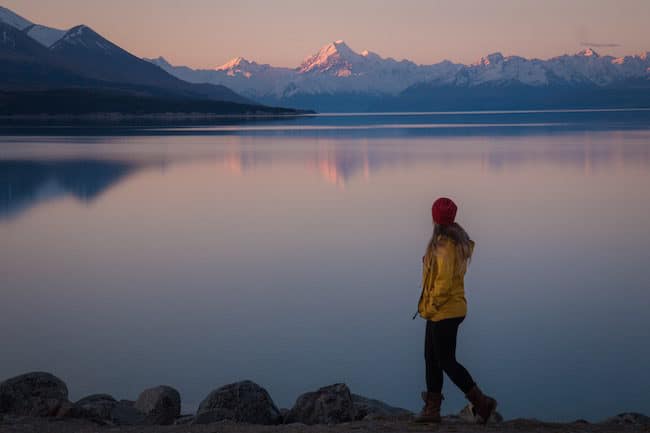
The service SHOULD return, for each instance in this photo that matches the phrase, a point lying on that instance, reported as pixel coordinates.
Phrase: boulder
(328, 405)
(33, 394)
(95, 407)
(66, 410)
(104, 409)
(467, 415)
(368, 408)
(160, 405)
(125, 413)
(629, 418)
(241, 402)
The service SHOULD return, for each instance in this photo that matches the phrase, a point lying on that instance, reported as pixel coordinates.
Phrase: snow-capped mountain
(46, 36)
(336, 69)
(337, 59)
(32, 60)
(334, 78)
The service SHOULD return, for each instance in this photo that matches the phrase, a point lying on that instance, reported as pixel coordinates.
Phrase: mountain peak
(44, 35)
(334, 48)
(336, 55)
(160, 60)
(588, 52)
(77, 32)
(490, 59)
(85, 38)
(234, 63)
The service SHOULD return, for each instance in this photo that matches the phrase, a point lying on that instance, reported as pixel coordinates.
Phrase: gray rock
(217, 414)
(467, 415)
(241, 402)
(33, 394)
(161, 405)
(125, 413)
(329, 405)
(66, 410)
(628, 418)
(104, 409)
(368, 408)
(95, 407)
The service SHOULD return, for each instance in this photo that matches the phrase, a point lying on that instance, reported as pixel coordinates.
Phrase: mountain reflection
(86, 172)
(340, 162)
(26, 183)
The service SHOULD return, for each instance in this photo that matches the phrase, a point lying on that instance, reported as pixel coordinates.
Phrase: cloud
(599, 45)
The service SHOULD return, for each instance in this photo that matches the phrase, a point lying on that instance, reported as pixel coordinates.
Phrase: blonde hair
(459, 239)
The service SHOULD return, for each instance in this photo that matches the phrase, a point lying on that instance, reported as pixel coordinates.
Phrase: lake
(288, 252)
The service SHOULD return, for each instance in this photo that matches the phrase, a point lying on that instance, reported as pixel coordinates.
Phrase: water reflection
(25, 183)
(201, 258)
(33, 172)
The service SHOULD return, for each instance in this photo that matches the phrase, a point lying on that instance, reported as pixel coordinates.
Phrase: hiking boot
(484, 405)
(431, 411)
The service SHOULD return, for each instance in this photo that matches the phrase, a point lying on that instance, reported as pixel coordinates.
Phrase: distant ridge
(336, 78)
(50, 71)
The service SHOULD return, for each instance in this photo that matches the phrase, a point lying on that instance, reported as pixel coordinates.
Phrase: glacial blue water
(288, 252)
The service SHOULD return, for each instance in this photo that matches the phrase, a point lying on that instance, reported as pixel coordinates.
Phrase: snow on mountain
(238, 65)
(586, 67)
(335, 58)
(250, 78)
(242, 68)
(84, 36)
(498, 68)
(46, 36)
(634, 66)
(13, 19)
(336, 68)
(587, 52)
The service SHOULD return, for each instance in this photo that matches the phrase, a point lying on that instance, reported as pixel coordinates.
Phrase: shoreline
(38, 402)
(520, 425)
(112, 116)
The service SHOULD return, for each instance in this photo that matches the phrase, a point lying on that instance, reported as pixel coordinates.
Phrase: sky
(207, 33)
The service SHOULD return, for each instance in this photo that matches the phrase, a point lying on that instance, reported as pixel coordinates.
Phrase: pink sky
(207, 33)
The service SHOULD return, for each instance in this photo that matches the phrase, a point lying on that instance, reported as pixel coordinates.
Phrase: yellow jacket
(443, 287)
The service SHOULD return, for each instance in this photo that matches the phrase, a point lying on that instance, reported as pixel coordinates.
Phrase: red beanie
(443, 211)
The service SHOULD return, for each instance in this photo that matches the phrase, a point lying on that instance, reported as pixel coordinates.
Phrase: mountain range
(78, 71)
(50, 71)
(336, 78)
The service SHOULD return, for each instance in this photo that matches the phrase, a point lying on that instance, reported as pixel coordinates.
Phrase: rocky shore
(38, 402)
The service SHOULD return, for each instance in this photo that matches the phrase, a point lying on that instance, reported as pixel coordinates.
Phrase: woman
(443, 305)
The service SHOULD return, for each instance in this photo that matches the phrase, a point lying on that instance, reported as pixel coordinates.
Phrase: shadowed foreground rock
(629, 418)
(242, 402)
(38, 403)
(104, 409)
(96, 407)
(33, 394)
(160, 405)
(328, 405)
(368, 408)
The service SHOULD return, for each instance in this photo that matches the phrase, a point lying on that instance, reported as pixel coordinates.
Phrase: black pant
(440, 355)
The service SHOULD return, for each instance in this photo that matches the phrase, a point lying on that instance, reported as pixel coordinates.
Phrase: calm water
(288, 252)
